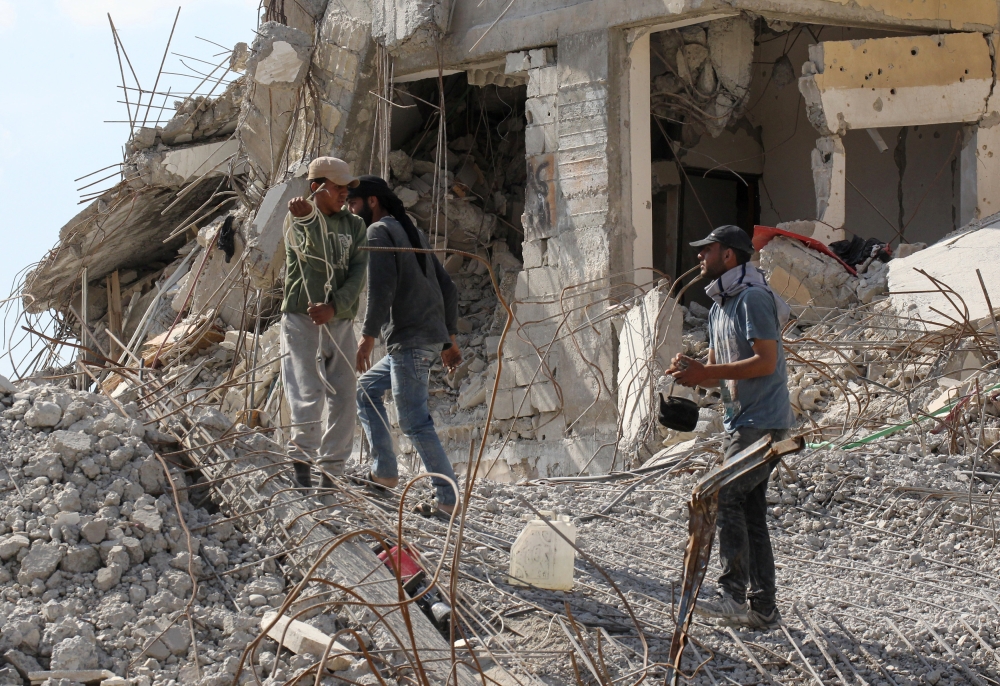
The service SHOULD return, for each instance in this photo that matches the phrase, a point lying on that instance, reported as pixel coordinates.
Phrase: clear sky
(61, 83)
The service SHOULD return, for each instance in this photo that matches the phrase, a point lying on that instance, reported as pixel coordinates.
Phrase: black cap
(730, 236)
(369, 185)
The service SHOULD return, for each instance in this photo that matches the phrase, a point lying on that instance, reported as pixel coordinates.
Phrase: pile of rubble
(101, 570)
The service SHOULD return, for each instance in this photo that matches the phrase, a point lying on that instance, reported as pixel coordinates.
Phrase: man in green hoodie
(325, 270)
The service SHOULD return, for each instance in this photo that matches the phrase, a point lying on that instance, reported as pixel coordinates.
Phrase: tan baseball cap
(333, 169)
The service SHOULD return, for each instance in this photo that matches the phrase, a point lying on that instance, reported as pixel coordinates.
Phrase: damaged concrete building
(578, 149)
(560, 156)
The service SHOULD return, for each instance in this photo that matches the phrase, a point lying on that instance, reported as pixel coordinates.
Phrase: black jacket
(407, 307)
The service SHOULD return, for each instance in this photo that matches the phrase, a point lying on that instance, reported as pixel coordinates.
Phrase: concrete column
(636, 128)
(829, 167)
(980, 179)
(577, 233)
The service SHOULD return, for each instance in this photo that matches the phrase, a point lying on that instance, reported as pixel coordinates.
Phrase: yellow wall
(891, 62)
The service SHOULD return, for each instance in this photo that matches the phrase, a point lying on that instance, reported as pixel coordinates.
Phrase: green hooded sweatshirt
(324, 263)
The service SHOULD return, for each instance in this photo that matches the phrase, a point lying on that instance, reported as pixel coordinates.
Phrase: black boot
(303, 475)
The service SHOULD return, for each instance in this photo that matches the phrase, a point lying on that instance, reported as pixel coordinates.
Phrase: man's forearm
(750, 368)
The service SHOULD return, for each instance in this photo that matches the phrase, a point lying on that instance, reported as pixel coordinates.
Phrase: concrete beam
(963, 14)
(904, 81)
(478, 34)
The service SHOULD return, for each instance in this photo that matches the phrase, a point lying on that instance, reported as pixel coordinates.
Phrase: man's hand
(363, 362)
(451, 357)
(300, 207)
(321, 313)
(688, 371)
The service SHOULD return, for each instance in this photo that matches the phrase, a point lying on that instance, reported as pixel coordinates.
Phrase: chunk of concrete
(108, 577)
(43, 415)
(70, 445)
(81, 559)
(474, 393)
(280, 57)
(24, 664)
(806, 278)
(74, 654)
(731, 46)
(46, 464)
(40, 562)
(829, 167)
(266, 242)
(651, 331)
(179, 167)
(6, 387)
(148, 518)
(302, 638)
(12, 545)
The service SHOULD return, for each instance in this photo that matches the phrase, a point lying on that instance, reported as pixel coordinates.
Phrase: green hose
(892, 429)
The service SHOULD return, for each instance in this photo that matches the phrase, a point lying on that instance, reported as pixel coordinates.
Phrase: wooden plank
(300, 638)
(114, 311)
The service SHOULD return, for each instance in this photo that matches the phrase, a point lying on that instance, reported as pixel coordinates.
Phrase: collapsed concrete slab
(196, 119)
(178, 167)
(710, 66)
(953, 263)
(123, 229)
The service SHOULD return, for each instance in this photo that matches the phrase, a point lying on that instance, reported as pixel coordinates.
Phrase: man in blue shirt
(747, 362)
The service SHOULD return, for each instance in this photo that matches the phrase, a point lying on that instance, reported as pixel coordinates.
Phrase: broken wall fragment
(276, 71)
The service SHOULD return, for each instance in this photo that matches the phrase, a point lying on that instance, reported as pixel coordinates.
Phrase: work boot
(303, 475)
(725, 607)
(763, 621)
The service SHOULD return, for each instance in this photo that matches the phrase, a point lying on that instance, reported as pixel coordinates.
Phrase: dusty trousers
(744, 542)
(317, 371)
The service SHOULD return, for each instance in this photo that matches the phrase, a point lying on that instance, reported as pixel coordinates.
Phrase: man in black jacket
(413, 305)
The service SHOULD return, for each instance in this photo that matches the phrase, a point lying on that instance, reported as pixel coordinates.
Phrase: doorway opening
(689, 210)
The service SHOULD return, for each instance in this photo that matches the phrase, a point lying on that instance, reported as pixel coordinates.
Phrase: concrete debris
(92, 562)
(702, 78)
(807, 279)
(280, 57)
(301, 638)
(265, 243)
(148, 525)
(949, 266)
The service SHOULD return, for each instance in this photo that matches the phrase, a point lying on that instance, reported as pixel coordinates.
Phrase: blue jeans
(406, 373)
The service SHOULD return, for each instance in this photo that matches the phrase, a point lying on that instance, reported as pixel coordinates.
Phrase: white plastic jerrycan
(540, 557)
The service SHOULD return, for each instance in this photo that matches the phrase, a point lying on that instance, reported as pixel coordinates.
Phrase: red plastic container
(402, 565)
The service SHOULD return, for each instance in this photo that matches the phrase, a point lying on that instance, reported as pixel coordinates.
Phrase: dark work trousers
(744, 543)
